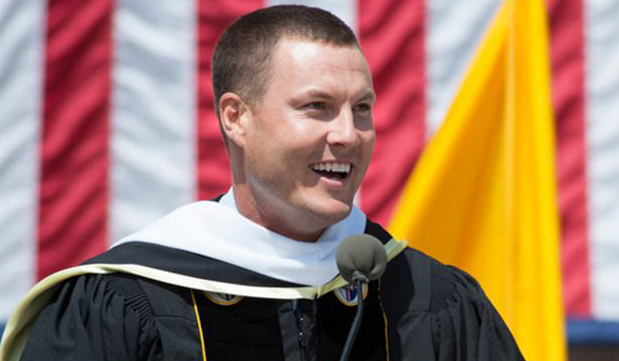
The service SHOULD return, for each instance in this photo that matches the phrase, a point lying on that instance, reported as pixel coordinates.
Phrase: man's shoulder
(426, 282)
(427, 264)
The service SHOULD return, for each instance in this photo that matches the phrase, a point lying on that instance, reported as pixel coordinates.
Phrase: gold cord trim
(195, 308)
(382, 310)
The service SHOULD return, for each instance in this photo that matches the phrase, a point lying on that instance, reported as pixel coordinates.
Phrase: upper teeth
(332, 167)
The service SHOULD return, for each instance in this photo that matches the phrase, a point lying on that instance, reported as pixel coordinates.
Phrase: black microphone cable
(360, 259)
(356, 323)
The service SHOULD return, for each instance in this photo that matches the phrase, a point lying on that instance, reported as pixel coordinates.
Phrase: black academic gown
(420, 309)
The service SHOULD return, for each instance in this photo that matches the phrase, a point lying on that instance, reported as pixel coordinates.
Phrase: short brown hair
(242, 56)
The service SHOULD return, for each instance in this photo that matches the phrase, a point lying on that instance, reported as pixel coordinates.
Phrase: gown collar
(217, 230)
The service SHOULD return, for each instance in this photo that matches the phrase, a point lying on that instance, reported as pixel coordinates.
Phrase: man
(251, 275)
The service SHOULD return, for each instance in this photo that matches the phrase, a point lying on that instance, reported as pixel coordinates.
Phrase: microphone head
(362, 254)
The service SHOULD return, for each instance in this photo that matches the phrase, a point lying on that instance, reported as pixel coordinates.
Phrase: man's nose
(342, 130)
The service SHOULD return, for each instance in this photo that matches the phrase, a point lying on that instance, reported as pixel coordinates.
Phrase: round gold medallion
(223, 299)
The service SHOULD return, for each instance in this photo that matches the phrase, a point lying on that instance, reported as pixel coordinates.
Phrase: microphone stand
(358, 280)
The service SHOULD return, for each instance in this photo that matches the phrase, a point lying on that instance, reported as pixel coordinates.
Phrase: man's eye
(363, 107)
(316, 105)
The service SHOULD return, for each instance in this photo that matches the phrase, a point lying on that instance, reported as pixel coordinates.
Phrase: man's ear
(234, 113)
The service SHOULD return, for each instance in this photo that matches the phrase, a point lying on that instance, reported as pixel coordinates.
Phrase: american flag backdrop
(107, 122)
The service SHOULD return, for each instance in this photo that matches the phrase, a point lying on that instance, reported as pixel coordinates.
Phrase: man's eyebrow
(369, 95)
(321, 94)
(317, 93)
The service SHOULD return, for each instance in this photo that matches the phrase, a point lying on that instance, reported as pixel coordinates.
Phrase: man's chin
(333, 212)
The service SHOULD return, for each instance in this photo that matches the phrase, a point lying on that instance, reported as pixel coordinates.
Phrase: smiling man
(252, 275)
(300, 151)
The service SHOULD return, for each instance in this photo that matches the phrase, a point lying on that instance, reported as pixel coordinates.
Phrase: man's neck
(232, 200)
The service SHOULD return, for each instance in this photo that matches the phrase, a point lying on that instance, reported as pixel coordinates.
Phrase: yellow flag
(483, 195)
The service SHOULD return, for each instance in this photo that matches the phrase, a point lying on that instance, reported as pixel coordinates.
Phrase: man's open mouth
(332, 169)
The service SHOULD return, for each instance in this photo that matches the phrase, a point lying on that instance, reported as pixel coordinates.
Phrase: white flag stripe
(454, 31)
(22, 32)
(602, 135)
(153, 138)
(343, 9)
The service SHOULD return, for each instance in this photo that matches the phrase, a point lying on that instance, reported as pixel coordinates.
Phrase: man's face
(309, 139)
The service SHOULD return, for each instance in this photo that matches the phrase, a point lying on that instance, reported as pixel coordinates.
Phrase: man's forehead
(303, 51)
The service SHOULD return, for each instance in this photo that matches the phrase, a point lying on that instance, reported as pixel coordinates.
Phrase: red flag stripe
(395, 50)
(568, 69)
(74, 150)
(213, 168)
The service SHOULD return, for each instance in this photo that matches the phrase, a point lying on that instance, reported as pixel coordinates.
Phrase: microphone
(360, 259)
